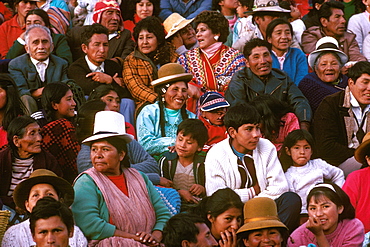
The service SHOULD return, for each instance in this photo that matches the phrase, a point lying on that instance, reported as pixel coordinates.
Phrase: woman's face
(281, 38)
(66, 107)
(328, 68)
(264, 237)
(144, 9)
(230, 219)
(24, 7)
(39, 191)
(30, 143)
(326, 212)
(205, 36)
(112, 101)
(3, 98)
(106, 158)
(147, 42)
(34, 19)
(176, 95)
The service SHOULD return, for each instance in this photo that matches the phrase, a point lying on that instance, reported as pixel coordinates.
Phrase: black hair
(52, 94)
(181, 227)
(128, 10)
(101, 91)
(195, 128)
(246, 3)
(279, 21)
(241, 114)
(120, 145)
(314, 11)
(283, 232)
(90, 30)
(44, 16)
(48, 207)
(262, 15)
(326, 9)
(216, 22)
(338, 197)
(357, 70)
(253, 43)
(17, 127)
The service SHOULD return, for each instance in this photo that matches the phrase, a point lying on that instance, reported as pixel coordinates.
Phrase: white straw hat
(174, 23)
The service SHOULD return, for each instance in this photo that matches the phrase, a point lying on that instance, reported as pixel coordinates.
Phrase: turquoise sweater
(91, 212)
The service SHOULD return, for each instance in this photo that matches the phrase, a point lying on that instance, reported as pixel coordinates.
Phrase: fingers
(91, 74)
(115, 75)
(145, 238)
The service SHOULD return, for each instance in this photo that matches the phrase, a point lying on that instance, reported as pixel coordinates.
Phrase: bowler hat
(363, 149)
(171, 73)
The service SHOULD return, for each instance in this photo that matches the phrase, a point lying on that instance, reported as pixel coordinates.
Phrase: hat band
(104, 132)
(175, 25)
(327, 45)
(212, 102)
(261, 219)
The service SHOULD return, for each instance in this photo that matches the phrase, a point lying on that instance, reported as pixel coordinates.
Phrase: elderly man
(332, 23)
(33, 70)
(342, 119)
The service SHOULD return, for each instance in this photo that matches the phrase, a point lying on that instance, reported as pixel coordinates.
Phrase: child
(302, 172)
(244, 24)
(213, 108)
(185, 168)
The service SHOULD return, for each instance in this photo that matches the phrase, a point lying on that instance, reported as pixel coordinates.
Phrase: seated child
(185, 168)
(213, 107)
(301, 172)
(244, 24)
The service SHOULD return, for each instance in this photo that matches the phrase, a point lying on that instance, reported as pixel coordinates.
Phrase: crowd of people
(185, 123)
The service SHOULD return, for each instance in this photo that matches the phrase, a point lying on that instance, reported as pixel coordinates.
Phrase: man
(248, 164)
(332, 23)
(107, 13)
(180, 33)
(342, 119)
(187, 230)
(259, 78)
(51, 223)
(33, 70)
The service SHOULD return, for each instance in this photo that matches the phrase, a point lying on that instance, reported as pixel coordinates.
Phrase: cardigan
(221, 167)
(359, 24)
(9, 32)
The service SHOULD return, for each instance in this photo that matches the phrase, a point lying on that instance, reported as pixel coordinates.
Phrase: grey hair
(328, 52)
(27, 35)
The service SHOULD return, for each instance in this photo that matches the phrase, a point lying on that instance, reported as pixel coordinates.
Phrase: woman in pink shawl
(116, 205)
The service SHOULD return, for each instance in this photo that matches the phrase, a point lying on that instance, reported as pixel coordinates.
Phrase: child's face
(186, 146)
(245, 138)
(229, 4)
(301, 153)
(241, 9)
(215, 117)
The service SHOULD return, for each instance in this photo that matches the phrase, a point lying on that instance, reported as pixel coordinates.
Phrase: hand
(194, 91)
(187, 196)
(314, 225)
(197, 190)
(118, 80)
(228, 238)
(177, 40)
(165, 182)
(171, 149)
(37, 93)
(23, 35)
(147, 239)
(100, 77)
(257, 188)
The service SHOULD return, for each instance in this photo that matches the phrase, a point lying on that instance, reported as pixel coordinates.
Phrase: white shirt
(359, 115)
(93, 67)
(41, 71)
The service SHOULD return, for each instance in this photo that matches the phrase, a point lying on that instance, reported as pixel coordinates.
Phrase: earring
(163, 99)
(216, 37)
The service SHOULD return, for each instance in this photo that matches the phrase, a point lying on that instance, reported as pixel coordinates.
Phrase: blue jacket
(188, 10)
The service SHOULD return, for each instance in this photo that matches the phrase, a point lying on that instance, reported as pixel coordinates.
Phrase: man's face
(361, 89)
(259, 61)
(188, 36)
(97, 50)
(39, 45)
(51, 232)
(336, 25)
(111, 19)
(245, 138)
(204, 238)
(263, 21)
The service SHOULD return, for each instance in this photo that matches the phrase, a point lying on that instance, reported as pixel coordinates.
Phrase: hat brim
(256, 225)
(271, 9)
(214, 107)
(180, 26)
(186, 77)
(22, 191)
(313, 56)
(126, 137)
(361, 151)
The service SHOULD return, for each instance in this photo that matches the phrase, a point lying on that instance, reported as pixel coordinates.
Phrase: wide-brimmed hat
(174, 23)
(363, 149)
(260, 213)
(43, 176)
(267, 5)
(171, 73)
(212, 101)
(109, 124)
(326, 44)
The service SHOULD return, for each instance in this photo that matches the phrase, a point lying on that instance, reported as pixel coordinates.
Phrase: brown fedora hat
(171, 73)
(361, 151)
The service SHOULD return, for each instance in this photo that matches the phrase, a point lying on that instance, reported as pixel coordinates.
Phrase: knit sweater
(359, 24)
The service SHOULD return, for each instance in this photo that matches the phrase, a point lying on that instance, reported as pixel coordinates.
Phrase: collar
(355, 104)
(35, 62)
(92, 66)
(112, 35)
(212, 49)
(367, 15)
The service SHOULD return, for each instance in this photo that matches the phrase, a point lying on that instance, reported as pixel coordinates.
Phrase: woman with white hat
(116, 205)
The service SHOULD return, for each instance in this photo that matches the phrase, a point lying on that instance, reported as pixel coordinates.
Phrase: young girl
(331, 220)
(301, 171)
(223, 214)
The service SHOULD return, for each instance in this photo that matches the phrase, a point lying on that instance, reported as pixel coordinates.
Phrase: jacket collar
(274, 81)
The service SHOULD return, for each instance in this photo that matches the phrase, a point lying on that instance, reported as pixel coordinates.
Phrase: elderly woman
(141, 66)
(116, 205)
(23, 156)
(326, 61)
(157, 123)
(42, 183)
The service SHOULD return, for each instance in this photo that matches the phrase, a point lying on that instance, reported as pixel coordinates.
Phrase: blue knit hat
(212, 101)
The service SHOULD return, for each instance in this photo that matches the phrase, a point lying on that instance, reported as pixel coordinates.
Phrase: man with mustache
(332, 23)
(33, 70)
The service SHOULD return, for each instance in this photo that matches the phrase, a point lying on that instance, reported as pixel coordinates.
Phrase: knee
(291, 199)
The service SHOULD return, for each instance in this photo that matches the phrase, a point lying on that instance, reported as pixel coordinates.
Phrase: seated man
(32, 71)
(259, 78)
(342, 119)
(332, 23)
(248, 164)
(187, 229)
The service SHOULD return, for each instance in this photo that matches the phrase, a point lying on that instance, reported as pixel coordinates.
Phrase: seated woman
(23, 156)
(262, 226)
(326, 62)
(279, 34)
(41, 183)
(141, 66)
(157, 123)
(116, 205)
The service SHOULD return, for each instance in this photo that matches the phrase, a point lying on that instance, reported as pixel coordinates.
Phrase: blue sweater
(187, 10)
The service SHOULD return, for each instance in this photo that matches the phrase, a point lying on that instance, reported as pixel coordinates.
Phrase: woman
(212, 64)
(23, 155)
(279, 34)
(141, 66)
(40, 17)
(262, 226)
(41, 183)
(223, 214)
(58, 135)
(157, 123)
(326, 62)
(116, 205)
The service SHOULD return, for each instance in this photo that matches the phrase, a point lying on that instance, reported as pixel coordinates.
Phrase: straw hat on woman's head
(171, 73)
(363, 150)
